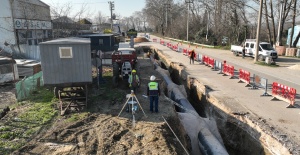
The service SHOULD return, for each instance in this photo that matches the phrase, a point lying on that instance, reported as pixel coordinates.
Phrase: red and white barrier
(228, 70)
(175, 47)
(211, 62)
(154, 40)
(184, 51)
(284, 93)
(205, 59)
(162, 42)
(244, 76)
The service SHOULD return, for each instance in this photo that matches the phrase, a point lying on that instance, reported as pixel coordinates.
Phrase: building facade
(23, 24)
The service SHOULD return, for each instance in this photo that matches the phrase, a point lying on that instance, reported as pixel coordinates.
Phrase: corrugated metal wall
(58, 70)
(27, 52)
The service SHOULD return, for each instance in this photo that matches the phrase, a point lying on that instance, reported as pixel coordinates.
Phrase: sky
(125, 8)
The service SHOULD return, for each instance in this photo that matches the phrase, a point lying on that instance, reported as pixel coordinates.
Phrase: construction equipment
(132, 103)
(123, 61)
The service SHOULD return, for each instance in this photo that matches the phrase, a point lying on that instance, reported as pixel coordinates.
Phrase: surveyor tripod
(134, 104)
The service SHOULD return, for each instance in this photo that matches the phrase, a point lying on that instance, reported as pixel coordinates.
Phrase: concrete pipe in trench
(203, 132)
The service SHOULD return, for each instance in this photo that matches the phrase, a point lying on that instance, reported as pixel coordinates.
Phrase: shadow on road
(288, 59)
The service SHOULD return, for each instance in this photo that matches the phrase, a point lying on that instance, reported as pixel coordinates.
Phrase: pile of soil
(294, 67)
(140, 40)
(103, 132)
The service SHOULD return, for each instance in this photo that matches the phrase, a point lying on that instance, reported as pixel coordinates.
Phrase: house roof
(73, 40)
(6, 60)
(63, 19)
(97, 35)
(84, 21)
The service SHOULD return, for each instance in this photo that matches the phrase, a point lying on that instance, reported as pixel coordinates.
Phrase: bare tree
(154, 10)
(65, 21)
(235, 19)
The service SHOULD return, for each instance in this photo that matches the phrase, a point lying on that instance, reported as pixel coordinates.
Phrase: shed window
(65, 52)
(100, 41)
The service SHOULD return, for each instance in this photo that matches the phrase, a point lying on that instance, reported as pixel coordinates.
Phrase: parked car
(265, 49)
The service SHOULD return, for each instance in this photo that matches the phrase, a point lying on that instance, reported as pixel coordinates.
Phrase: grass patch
(262, 63)
(31, 115)
(77, 116)
(108, 94)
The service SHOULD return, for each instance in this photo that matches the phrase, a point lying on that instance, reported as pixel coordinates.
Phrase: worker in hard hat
(133, 80)
(153, 92)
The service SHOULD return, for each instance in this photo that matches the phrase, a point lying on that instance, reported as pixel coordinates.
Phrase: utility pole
(279, 25)
(167, 7)
(188, 14)
(207, 24)
(111, 7)
(258, 31)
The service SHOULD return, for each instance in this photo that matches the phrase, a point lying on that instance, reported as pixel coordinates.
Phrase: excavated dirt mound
(294, 67)
(103, 132)
(140, 40)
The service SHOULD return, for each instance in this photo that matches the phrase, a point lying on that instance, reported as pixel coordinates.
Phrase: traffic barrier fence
(244, 76)
(260, 82)
(285, 93)
(199, 57)
(228, 70)
(211, 62)
(162, 42)
(219, 66)
(205, 59)
(184, 51)
(180, 49)
(175, 47)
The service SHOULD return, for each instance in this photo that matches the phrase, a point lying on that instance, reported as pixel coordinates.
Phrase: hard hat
(133, 71)
(152, 78)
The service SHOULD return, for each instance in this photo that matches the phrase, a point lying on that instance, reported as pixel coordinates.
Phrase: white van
(265, 49)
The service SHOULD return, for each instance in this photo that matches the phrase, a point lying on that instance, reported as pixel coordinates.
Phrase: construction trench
(212, 127)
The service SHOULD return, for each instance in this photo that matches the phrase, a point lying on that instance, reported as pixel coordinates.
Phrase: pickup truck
(265, 49)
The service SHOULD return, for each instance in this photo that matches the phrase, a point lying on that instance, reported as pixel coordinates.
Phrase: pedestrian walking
(153, 92)
(192, 56)
(134, 81)
(243, 50)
